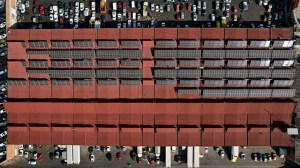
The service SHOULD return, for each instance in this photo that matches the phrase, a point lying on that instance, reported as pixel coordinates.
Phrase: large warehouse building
(151, 86)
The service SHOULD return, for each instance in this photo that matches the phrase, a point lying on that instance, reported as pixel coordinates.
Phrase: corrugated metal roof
(189, 137)
(280, 138)
(18, 135)
(259, 137)
(85, 136)
(131, 136)
(148, 137)
(165, 137)
(108, 136)
(236, 137)
(62, 135)
(40, 135)
(213, 137)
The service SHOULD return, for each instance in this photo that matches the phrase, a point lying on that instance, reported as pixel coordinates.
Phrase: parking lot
(255, 16)
(210, 159)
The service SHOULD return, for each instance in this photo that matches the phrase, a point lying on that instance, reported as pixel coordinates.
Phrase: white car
(51, 9)
(138, 16)
(145, 4)
(30, 146)
(55, 18)
(152, 6)
(3, 144)
(114, 15)
(212, 17)
(3, 89)
(108, 148)
(92, 157)
(81, 7)
(2, 25)
(132, 4)
(161, 9)
(19, 2)
(217, 3)
(93, 14)
(21, 152)
(71, 21)
(2, 153)
(194, 8)
(77, 5)
(22, 8)
(3, 71)
(20, 146)
(51, 17)
(2, 111)
(61, 12)
(76, 12)
(205, 149)
(27, 4)
(34, 155)
(2, 36)
(173, 148)
(93, 6)
(195, 18)
(235, 18)
(76, 19)
(156, 8)
(55, 10)
(86, 12)
(26, 154)
(32, 162)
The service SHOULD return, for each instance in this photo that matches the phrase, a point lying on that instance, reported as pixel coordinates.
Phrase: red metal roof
(18, 135)
(108, 136)
(259, 137)
(189, 137)
(236, 137)
(282, 33)
(236, 115)
(40, 117)
(148, 33)
(62, 91)
(85, 115)
(131, 118)
(18, 91)
(66, 34)
(16, 70)
(85, 136)
(147, 67)
(190, 33)
(16, 51)
(236, 33)
(85, 34)
(133, 33)
(108, 34)
(213, 137)
(108, 91)
(40, 34)
(165, 92)
(85, 91)
(165, 137)
(131, 136)
(40, 135)
(166, 114)
(213, 33)
(66, 117)
(131, 91)
(165, 33)
(279, 138)
(213, 115)
(62, 135)
(148, 89)
(41, 91)
(18, 117)
(258, 33)
(148, 137)
(18, 34)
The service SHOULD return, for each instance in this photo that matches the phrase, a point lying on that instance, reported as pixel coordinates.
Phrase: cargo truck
(140, 154)
(157, 154)
(234, 153)
(103, 6)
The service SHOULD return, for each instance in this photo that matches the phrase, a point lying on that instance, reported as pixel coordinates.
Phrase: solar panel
(38, 44)
(213, 63)
(284, 93)
(259, 73)
(23, 43)
(283, 54)
(131, 63)
(107, 54)
(131, 43)
(214, 43)
(38, 82)
(189, 73)
(83, 43)
(165, 53)
(260, 54)
(283, 63)
(189, 63)
(237, 54)
(213, 54)
(189, 91)
(214, 83)
(131, 54)
(234, 93)
(214, 73)
(213, 93)
(165, 43)
(260, 44)
(107, 82)
(38, 63)
(283, 43)
(260, 83)
(236, 73)
(61, 73)
(60, 44)
(108, 43)
(37, 71)
(60, 82)
(240, 83)
(37, 52)
(83, 82)
(131, 73)
(283, 73)
(237, 43)
(165, 73)
(80, 54)
(188, 53)
(165, 82)
(165, 63)
(85, 62)
(189, 43)
(107, 73)
(189, 82)
(83, 73)
(61, 63)
(237, 63)
(260, 63)
(283, 83)
(17, 82)
(260, 93)
(60, 54)
(131, 82)
(107, 63)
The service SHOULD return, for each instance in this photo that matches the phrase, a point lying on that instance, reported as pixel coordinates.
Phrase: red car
(42, 10)
(181, 6)
(39, 157)
(124, 5)
(234, 9)
(119, 156)
(36, 4)
(177, 16)
(61, 20)
(227, 13)
(189, 6)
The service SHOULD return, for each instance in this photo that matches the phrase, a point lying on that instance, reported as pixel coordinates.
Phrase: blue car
(245, 5)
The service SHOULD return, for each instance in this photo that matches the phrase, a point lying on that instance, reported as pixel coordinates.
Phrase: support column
(190, 156)
(196, 157)
(168, 156)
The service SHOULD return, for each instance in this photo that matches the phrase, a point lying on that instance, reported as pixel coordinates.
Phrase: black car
(35, 11)
(139, 6)
(71, 5)
(60, 4)
(40, 19)
(66, 6)
(46, 12)
(103, 19)
(178, 159)
(109, 156)
(134, 156)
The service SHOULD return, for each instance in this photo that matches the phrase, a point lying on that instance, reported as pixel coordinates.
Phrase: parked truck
(157, 154)
(103, 6)
(234, 153)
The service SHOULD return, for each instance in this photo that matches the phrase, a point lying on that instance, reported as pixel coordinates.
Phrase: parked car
(212, 17)
(32, 162)
(189, 6)
(2, 25)
(39, 156)
(119, 156)
(21, 152)
(195, 18)
(222, 153)
(273, 155)
(161, 8)
(3, 144)
(92, 157)
(245, 5)
(181, 15)
(177, 16)
(86, 12)
(2, 153)
(234, 9)
(81, 7)
(42, 10)
(26, 154)
(217, 5)
(242, 156)
(27, 4)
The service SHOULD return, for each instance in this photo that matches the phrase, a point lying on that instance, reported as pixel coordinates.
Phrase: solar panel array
(131, 73)
(108, 43)
(60, 54)
(79, 54)
(236, 54)
(260, 44)
(38, 44)
(283, 54)
(107, 54)
(236, 73)
(107, 63)
(213, 54)
(38, 82)
(37, 52)
(131, 43)
(61, 63)
(283, 43)
(131, 63)
(284, 93)
(166, 63)
(260, 63)
(83, 73)
(188, 53)
(214, 43)
(260, 83)
(237, 43)
(131, 82)
(260, 54)
(215, 83)
(107, 73)
(165, 43)
(85, 62)
(60, 82)
(283, 73)
(189, 82)
(236, 82)
(189, 63)
(165, 82)
(165, 73)
(189, 73)
(38, 63)
(189, 43)
(83, 43)
(283, 83)
(214, 73)
(213, 93)
(259, 73)
(189, 91)
(237, 63)
(16, 82)
(60, 44)
(165, 53)
(23, 43)
(283, 63)
(83, 82)
(233, 93)
(131, 54)
(107, 82)
(260, 93)
(214, 63)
